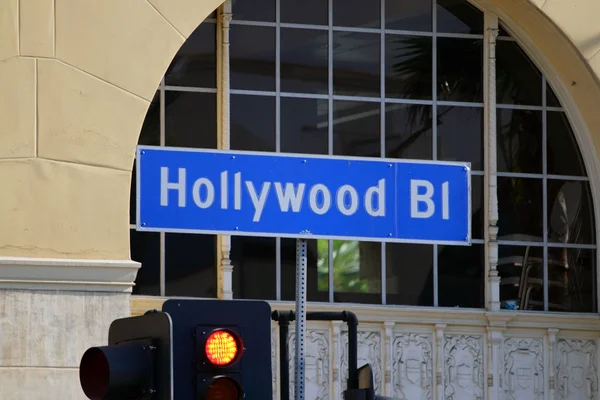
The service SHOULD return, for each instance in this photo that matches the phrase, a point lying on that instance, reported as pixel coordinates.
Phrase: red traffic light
(223, 347)
(224, 388)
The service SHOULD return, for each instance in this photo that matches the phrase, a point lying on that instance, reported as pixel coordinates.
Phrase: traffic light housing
(136, 364)
(222, 349)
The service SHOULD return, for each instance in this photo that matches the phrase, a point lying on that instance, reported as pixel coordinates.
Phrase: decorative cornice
(68, 274)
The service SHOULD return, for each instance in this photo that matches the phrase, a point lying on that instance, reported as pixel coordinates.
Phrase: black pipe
(284, 318)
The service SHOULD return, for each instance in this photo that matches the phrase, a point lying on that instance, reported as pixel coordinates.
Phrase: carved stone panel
(576, 369)
(523, 369)
(412, 366)
(463, 367)
(369, 352)
(316, 365)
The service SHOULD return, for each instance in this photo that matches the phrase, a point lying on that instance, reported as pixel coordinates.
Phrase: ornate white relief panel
(523, 369)
(576, 369)
(369, 352)
(463, 367)
(316, 367)
(412, 366)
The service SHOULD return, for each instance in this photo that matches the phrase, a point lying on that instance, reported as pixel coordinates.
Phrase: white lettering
(210, 193)
(341, 194)
(445, 200)
(290, 196)
(258, 201)
(237, 192)
(165, 186)
(224, 189)
(379, 191)
(416, 198)
(324, 207)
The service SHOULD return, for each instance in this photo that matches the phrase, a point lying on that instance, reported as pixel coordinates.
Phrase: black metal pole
(284, 318)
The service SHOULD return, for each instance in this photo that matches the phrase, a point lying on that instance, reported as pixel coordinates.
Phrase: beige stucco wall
(76, 78)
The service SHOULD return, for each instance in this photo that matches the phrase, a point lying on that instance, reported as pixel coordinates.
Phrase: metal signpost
(303, 197)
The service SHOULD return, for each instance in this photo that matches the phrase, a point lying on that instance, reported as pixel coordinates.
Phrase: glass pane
(521, 288)
(461, 276)
(356, 129)
(519, 143)
(572, 280)
(502, 31)
(190, 265)
(408, 15)
(145, 249)
(309, 12)
(477, 209)
(356, 63)
(409, 274)
(551, 98)
(254, 10)
(357, 13)
(191, 120)
(460, 69)
(408, 131)
(357, 272)
(304, 126)
(564, 157)
(253, 260)
(518, 80)
(252, 66)
(458, 16)
(460, 135)
(252, 123)
(317, 286)
(570, 212)
(304, 61)
(195, 63)
(520, 209)
(408, 67)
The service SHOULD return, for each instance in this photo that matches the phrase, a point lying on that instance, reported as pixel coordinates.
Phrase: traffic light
(137, 363)
(222, 349)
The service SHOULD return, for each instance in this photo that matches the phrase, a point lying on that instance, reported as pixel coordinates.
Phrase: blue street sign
(302, 196)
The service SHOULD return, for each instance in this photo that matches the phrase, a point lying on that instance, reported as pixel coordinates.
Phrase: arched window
(395, 79)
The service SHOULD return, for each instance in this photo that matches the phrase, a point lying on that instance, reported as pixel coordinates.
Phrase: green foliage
(346, 267)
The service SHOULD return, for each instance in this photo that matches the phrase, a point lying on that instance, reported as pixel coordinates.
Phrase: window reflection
(357, 13)
(408, 131)
(253, 260)
(460, 69)
(408, 67)
(409, 274)
(521, 277)
(356, 63)
(519, 143)
(521, 209)
(460, 135)
(357, 272)
(190, 120)
(254, 10)
(564, 157)
(356, 129)
(304, 126)
(252, 123)
(459, 16)
(252, 67)
(571, 280)
(570, 213)
(304, 61)
(519, 81)
(190, 262)
(145, 249)
(461, 276)
(408, 15)
(309, 12)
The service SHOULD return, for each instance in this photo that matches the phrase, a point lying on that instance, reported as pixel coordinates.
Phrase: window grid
(384, 102)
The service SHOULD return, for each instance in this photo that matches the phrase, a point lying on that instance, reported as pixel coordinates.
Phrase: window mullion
(492, 282)
(224, 266)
